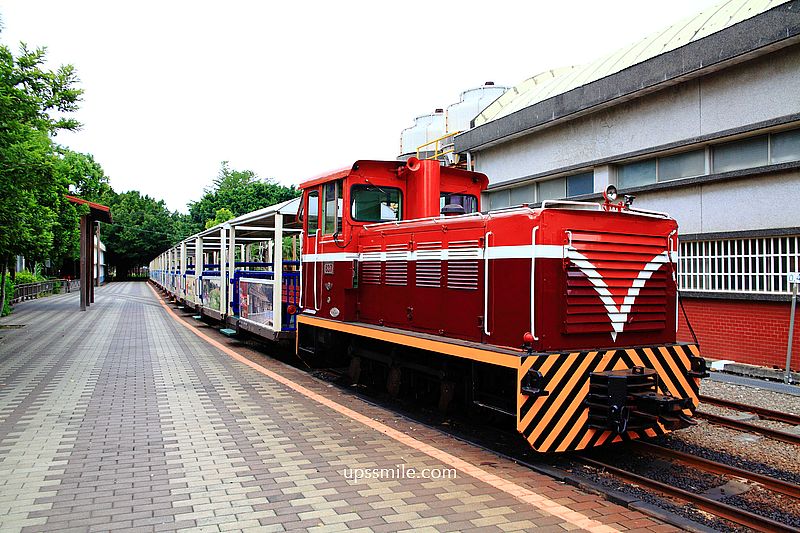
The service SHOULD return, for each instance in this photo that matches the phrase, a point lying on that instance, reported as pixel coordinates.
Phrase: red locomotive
(562, 318)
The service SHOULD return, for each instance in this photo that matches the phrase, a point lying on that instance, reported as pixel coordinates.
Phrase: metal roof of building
(557, 81)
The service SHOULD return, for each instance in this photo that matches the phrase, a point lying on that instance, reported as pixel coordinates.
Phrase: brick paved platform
(121, 418)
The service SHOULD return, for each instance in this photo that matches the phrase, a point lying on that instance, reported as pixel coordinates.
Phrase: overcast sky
(292, 89)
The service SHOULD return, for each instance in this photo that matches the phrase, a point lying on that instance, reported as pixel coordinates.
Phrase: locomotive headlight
(610, 194)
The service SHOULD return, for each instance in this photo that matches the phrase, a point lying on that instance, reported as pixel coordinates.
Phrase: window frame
(364, 186)
(466, 195)
(338, 193)
(307, 209)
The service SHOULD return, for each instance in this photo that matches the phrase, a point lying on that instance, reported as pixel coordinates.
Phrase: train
(560, 318)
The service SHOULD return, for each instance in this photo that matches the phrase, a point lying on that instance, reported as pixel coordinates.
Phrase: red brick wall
(742, 331)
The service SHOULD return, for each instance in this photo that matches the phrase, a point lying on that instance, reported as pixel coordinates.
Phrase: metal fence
(748, 265)
(29, 291)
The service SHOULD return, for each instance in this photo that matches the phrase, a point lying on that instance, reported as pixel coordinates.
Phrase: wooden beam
(83, 262)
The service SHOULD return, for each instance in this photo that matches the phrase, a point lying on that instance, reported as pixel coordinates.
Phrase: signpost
(794, 281)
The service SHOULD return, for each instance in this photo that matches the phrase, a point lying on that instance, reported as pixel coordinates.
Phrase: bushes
(22, 277)
(9, 294)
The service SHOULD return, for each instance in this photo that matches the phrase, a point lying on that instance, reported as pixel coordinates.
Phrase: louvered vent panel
(618, 259)
(462, 265)
(397, 264)
(429, 264)
(371, 265)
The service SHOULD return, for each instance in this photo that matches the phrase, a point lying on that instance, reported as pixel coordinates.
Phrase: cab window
(469, 202)
(375, 204)
(332, 207)
(313, 212)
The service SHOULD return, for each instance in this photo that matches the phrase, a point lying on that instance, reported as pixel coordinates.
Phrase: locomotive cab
(337, 207)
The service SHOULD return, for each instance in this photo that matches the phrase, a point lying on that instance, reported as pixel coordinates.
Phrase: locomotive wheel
(447, 391)
(393, 381)
(354, 370)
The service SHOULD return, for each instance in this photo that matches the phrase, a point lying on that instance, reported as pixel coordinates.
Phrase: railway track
(741, 425)
(715, 467)
(719, 509)
(767, 414)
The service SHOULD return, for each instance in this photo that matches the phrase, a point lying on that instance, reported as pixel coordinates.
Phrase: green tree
(33, 106)
(85, 178)
(142, 228)
(223, 215)
(239, 191)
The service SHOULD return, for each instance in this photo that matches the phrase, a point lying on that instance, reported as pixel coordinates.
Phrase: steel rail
(768, 414)
(775, 484)
(750, 428)
(722, 510)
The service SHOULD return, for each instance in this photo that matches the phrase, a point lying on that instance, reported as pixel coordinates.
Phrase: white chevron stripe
(618, 316)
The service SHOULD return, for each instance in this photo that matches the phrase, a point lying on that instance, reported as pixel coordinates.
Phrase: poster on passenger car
(255, 301)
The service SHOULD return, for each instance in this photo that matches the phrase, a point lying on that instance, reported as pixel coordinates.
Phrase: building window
(736, 155)
(375, 204)
(637, 173)
(750, 265)
(523, 195)
(684, 165)
(785, 146)
(498, 199)
(580, 184)
(551, 189)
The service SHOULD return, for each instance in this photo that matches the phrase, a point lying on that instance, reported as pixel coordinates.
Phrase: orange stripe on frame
(446, 348)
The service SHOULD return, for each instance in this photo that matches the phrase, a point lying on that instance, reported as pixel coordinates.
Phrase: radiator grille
(617, 260)
(397, 264)
(429, 264)
(462, 269)
(371, 265)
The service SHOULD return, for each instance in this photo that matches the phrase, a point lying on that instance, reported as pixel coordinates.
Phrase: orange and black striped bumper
(557, 419)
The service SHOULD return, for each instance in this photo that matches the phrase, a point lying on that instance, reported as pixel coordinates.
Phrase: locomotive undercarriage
(423, 377)
(558, 401)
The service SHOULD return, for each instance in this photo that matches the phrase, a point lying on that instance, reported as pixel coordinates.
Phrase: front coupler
(627, 400)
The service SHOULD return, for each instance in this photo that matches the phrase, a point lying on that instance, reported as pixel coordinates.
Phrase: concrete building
(702, 121)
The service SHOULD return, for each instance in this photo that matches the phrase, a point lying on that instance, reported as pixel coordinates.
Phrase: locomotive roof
(326, 177)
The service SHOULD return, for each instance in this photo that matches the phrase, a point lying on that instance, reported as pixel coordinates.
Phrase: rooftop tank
(472, 102)
(426, 128)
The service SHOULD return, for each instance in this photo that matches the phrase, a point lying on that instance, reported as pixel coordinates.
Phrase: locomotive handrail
(317, 236)
(437, 219)
(300, 296)
(486, 284)
(533, 282)
(675, 274)
(647, 212)
(555, 204)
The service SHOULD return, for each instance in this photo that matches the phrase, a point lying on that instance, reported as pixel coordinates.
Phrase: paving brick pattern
(121, 419)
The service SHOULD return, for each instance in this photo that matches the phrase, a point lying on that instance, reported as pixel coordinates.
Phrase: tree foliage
(238, 191)
(143, 227)
(223, 214)
(34, 103)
